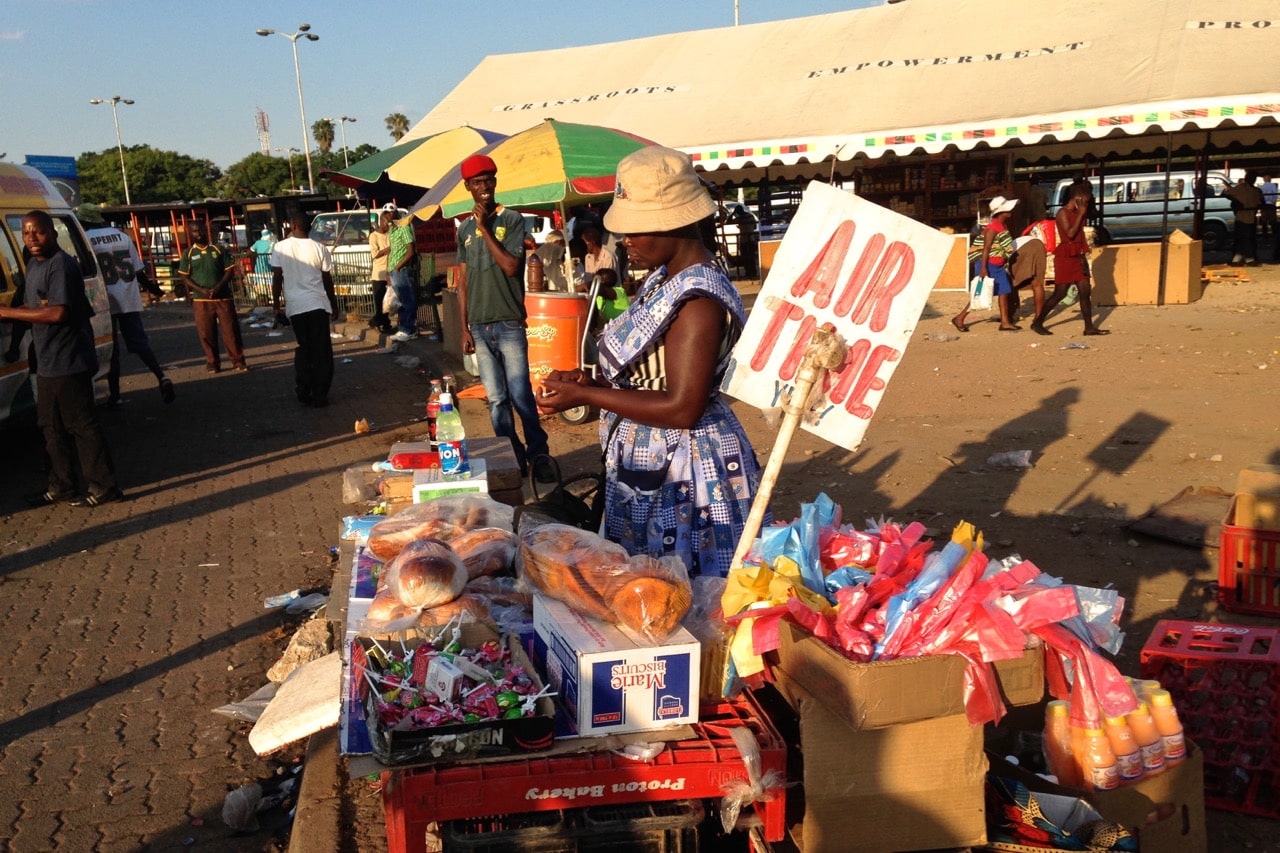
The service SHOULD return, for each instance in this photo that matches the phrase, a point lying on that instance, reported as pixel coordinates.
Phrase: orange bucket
(555, 326)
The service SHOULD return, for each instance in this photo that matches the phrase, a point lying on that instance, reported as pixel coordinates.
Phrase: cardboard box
(456, 741)
(910, 786)
(429, 483)
(885, 693)
(612, 681)
(1257, 499)
(1129, 273)
(1165, 812)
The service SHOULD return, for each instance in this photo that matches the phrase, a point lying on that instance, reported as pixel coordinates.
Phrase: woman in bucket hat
(990, 257)
(680, 472)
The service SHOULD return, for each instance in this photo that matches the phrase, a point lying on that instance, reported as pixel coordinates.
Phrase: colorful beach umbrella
(418, 162)
(551, 165)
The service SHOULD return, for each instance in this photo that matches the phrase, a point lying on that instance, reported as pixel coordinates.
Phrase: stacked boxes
(1249, 552)
(1222, 678)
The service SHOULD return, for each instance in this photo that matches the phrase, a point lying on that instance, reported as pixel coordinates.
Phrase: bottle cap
(1117, 721)
(1093, 732)
(1058, 708)
(446, 399)
(1160, 697)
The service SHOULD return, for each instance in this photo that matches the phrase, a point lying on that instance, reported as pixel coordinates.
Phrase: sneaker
(92, 500)
(47, 498)
(166, 390)
(544, 471)
(401, 337)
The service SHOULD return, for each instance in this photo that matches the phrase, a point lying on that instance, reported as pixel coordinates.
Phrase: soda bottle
(1128, 756)
(451, 438)
(1148, 739)
(1057, 744)
(433, 408)
(1098, 768)
(533, 274)
(1168, 725)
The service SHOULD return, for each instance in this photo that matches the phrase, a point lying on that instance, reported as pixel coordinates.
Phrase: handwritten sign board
(852, 266)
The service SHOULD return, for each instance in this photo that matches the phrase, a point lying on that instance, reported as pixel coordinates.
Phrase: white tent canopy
(909, 77)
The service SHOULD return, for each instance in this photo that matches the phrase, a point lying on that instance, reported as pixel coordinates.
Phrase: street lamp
(291, 151)
(342, 125)
(114, 100)
(302, 32)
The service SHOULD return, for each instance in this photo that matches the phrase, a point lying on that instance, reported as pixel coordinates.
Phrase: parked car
(1133, 206)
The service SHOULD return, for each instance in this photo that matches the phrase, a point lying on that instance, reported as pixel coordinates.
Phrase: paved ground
(131, 621)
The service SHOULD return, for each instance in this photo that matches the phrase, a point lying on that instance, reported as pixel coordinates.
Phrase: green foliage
(259, 174)
(397, 125)
(322, 130)
(154, 176)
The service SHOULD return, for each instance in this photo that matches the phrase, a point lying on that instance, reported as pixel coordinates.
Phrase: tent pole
(1164, 221)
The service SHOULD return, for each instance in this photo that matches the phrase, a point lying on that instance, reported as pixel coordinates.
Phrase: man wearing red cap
(491, 305)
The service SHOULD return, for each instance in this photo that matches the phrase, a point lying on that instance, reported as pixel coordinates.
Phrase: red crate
(697, 768)
(1248, 569)
(1223, 679)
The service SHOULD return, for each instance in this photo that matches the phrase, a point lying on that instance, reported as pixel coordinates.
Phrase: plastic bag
(442, 518)
(356, 487)
(599, 579)
(355, 528)
(757, 787)
(980, 293)
(485, 550)
(426, 573)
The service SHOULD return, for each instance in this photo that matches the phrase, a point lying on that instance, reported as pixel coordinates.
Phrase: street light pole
(342, 125)
(114, 100)
(290, 151)
(301, 32)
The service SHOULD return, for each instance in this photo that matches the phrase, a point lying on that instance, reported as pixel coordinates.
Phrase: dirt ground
(1175, 396)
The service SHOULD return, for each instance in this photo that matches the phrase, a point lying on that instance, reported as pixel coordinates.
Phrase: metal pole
(124, 175)
(302, 110)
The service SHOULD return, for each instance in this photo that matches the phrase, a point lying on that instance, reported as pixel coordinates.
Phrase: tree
(398, 125)
(255, 175)
(323, 132)
(154, 176)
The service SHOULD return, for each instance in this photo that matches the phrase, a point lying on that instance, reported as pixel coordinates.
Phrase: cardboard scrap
(1192, 517)
(308, 701)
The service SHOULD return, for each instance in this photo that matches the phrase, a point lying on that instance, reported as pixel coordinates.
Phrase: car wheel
(1216, 237)
(580, 414)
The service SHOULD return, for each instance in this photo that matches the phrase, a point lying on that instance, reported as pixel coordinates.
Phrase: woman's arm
(690, 364)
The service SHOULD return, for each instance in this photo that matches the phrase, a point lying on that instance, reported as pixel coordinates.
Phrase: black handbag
(578, 501)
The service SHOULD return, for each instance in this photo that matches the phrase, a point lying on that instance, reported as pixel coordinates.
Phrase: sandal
(959, 326)
(1013, 328)
(166, 390)
(1097, 331)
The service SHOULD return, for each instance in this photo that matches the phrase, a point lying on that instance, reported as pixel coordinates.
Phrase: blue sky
(197, 72)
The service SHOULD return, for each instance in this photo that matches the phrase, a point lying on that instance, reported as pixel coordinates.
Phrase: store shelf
(939, 192)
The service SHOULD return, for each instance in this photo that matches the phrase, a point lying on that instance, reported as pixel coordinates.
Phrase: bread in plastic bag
(426, 573)
(442, 518)
(599, 579)
(485, 550)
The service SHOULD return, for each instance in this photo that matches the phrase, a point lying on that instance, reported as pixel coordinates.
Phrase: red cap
(477, 164)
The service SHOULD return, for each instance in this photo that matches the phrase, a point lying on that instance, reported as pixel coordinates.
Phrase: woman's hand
(562, 389)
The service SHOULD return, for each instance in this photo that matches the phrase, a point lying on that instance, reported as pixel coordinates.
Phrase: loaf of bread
(501, 591)
(442, 518)
(426, 573)
(467, 607)
(385, 608)
(599, 579)
(485, 551)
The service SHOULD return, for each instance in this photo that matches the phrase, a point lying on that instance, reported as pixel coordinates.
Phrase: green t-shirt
(206, 265)
(400, 238)
(492, 295)
(610, 308)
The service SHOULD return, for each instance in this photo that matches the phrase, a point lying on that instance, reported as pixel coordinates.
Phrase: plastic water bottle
(451, 438)
(433, 408)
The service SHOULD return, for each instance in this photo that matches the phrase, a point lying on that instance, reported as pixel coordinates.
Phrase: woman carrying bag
(990, 263)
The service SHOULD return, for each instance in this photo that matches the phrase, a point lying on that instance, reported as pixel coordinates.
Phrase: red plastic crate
(1223, 679)
(1248, 569)
(697, 768)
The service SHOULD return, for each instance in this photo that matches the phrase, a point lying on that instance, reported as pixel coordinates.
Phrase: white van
(23, 189)
(1133, 206)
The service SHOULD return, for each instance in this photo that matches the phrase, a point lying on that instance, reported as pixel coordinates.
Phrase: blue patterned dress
(672, 491)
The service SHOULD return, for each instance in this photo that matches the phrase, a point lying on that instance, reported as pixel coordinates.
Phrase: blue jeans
(402, 284)
(502, 353)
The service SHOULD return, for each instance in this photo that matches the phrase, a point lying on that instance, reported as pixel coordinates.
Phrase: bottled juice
(1147, 738)
(1168, 725)
(1128, 756)
(1097, 762)
(1057, 744)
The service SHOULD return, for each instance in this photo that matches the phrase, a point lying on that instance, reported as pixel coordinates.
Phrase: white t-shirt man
(120, 263)
(303, 262)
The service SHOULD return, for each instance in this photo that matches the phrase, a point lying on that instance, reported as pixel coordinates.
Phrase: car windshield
(343, 229)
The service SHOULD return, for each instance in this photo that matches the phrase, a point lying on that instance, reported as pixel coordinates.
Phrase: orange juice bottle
(1058, 753)
(1098, 768)
(1168, 725)
(1128, 756)
(1148, 739)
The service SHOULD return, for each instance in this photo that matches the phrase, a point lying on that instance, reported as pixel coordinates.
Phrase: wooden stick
(826, 351)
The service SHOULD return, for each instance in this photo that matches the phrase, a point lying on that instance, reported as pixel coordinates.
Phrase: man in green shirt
(400, 270)
(207, 272)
